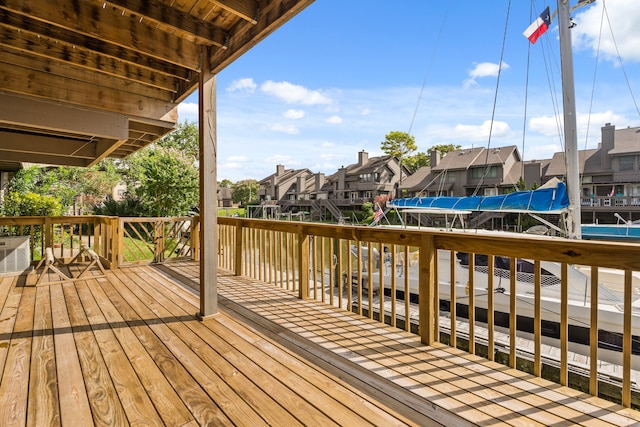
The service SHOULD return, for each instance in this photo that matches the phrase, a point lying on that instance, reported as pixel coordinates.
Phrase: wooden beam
(108, 26)
(87, 62)
(42, 84)
(246, 9)
(208, 191)
(44, 159)
(203, 32)
(22, 142)
(30, 34)
(75, 74)
(36, 113)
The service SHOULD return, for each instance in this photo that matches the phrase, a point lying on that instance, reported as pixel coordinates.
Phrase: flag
(378, 214)
(539, 26)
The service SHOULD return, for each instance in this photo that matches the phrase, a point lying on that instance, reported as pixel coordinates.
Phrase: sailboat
(555, 198)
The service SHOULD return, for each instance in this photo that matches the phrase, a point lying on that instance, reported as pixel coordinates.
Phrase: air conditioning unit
(15, 256)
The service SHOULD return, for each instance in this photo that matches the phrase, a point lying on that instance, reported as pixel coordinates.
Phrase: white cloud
(294, 94)
(280, 159)
(188, 111)
(477, 133)
(483, 69)
(246, 85)
(279, 127)
(331, 156)
(238, 159)
(334, 120)
(620, 36)
(294, 114)
(550, 126)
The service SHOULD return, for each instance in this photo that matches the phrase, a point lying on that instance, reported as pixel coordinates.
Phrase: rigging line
(552, 87)
(495, 100)
(624, 71)
(526, 94)
(595, 72)
(424, 82)
(440, 175)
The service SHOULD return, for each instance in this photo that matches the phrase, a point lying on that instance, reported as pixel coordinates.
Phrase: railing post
(428, 290)
(48, 232)
(303, 263)
(117, 241)
(238, 249)
(158, 241)
(194, 233)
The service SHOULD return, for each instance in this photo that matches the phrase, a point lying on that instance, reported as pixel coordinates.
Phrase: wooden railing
(144, 240)
(65, 235)
(331, 264)
(118, 241)
(408, 278)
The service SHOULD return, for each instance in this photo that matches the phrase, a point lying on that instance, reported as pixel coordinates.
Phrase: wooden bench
(50, 262)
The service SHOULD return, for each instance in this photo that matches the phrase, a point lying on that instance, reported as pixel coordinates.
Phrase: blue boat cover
(542, 200)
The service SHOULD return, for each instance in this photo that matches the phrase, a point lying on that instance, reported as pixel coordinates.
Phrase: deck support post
(427, 290)
(208, 188)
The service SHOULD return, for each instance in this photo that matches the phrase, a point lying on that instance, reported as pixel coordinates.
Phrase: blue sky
(342, 74)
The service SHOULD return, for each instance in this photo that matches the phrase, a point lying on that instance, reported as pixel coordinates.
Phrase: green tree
(245, 191)
(420, 159)
(165, 181)
(445, 148)
(31, 204)
(398, 144)
(415, 162)
(225, 183)
(184, 139)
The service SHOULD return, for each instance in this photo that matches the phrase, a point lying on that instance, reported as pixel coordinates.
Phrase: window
(365, 177)
(478, 173)
(626, 163)
(451, 177)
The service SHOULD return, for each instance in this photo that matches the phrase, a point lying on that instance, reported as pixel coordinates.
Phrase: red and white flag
(539, 26)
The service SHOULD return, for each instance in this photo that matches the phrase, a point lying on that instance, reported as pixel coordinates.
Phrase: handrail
(320, 261)
(377, 271)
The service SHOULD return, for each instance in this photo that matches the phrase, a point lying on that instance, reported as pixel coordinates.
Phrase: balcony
(295, 341)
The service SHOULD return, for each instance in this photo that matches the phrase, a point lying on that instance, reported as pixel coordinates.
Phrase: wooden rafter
(136, 59)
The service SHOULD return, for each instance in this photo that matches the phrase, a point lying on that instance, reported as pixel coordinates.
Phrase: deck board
(127, 348)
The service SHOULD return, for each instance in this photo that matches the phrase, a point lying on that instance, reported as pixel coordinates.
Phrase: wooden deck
(127, 349)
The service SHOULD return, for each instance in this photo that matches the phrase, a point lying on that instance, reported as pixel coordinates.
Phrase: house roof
(627, 141)
(495, 156)
(458, 159)
(84, 80)
(286, 175)
(418, 180)
(373, 164)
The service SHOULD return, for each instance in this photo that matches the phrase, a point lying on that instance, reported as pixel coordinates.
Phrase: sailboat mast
(570, 124)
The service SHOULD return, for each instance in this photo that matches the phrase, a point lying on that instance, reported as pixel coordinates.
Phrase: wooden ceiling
(81, 80)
